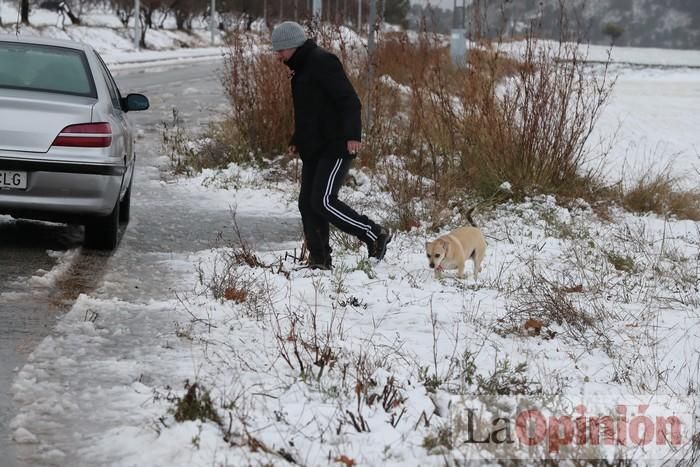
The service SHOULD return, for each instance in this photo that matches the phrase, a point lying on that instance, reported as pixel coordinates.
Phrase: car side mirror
(135, 102)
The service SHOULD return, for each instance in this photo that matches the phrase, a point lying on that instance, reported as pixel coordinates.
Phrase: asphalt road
(164, 221)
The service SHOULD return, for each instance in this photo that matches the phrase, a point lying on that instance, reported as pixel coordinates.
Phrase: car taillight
(85, 135)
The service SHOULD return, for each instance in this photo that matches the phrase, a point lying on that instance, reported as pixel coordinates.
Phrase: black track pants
(319, 205)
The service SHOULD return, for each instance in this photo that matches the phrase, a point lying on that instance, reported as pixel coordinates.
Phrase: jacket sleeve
(337, 86)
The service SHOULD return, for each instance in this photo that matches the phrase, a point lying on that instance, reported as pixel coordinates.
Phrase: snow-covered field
(106, 34)
(651, 122)
(370, 363)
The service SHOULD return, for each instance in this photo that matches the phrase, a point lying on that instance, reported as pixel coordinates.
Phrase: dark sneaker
(324, 264)
(378, 248)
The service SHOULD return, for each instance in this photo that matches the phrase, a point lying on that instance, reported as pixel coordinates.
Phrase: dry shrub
(533, 135)
(175, 144)
(468, 130)
(196, 404)
(552, 303)
(218, 147)
(261, 102)
(227, 280)
(661, 193)
(235, 295)
(310, 350)
(409, 99)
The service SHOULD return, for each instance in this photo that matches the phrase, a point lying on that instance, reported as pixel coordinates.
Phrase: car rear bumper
(62, 191)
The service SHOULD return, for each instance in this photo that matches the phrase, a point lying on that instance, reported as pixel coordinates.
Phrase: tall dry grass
(661, 192)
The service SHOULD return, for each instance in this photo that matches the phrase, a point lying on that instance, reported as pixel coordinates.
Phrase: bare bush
(261, 102)
(549, 304)
(175, 143)
(236, 274)
(311, 354)
(525, 122)
(536, 132)
(522, 119)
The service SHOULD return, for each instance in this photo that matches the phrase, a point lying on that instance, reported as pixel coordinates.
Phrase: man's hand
(354, 147)
(291, 150)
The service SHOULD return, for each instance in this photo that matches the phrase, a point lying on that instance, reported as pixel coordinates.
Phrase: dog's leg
(460, 269)
(477, 258)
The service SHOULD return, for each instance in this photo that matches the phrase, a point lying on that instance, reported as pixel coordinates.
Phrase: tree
(24, 7)
(395, 11)
(124, 10)
(613, 31)
(66, 8)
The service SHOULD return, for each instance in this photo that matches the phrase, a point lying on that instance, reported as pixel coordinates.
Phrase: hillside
(639, 23)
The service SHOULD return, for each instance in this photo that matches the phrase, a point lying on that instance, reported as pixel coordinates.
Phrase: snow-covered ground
(106, 34)
(650, 121)
(368, 364)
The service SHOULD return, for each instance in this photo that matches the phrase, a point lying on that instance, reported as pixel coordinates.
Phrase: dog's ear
(427, 244)
(445, 245)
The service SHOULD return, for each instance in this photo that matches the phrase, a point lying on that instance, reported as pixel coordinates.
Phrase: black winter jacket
(326, 106)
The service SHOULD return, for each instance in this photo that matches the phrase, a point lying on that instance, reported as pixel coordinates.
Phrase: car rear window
(45, 68)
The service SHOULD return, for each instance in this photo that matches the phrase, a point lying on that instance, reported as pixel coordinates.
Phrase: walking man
(327, 135)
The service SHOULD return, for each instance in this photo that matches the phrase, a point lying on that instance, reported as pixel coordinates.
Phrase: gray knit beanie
(288, 35)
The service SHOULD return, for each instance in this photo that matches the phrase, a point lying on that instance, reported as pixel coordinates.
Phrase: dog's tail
(468, 215)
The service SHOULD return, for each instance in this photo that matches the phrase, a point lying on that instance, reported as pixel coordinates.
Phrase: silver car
(66, 145)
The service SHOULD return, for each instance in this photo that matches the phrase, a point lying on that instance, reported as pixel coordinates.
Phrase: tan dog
(452, 251)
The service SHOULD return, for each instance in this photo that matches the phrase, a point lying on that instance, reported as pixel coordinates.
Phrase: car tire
(125, 205)
(102, 233)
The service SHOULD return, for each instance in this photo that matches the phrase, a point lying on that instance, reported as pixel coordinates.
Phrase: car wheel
(102, 233)
(125, 205)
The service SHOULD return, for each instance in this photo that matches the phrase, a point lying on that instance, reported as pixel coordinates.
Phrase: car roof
(25, 39)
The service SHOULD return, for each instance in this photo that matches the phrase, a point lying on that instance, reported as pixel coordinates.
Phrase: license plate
(12, 179)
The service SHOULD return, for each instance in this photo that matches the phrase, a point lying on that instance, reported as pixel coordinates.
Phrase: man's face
(284, 54)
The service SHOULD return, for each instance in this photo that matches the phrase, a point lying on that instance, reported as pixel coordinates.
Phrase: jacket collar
(297, 61)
